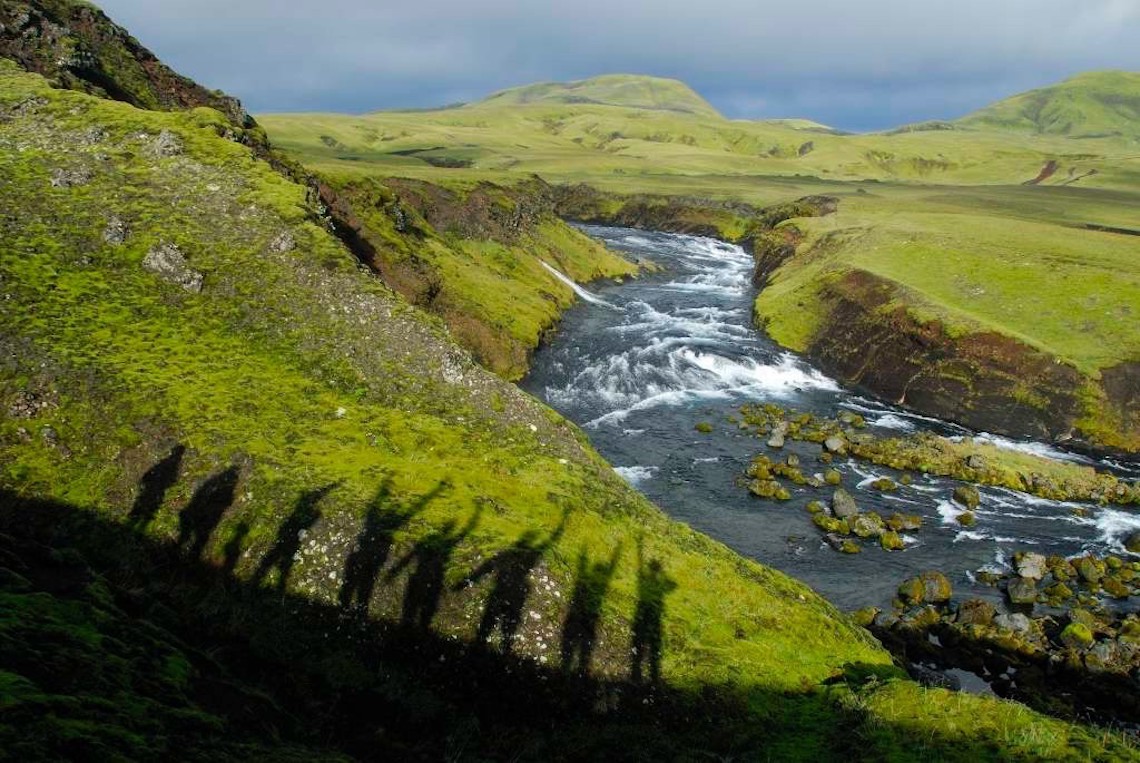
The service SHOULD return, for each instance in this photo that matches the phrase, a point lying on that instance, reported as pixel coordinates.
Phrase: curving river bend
(638, 365)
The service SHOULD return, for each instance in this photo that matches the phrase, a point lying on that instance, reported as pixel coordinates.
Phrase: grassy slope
(1094, 104)
(303, 372)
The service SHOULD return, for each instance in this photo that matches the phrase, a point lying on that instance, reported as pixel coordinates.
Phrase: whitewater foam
(588, 296)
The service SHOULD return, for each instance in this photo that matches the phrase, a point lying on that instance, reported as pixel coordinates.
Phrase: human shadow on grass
(653, 585)
(580, 628)
(153, 486)
(511, 570)
(384, 518)
(198, 520)
(283, 554)
(429, 559)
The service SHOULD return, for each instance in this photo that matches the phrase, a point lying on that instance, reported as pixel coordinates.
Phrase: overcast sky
(853, 64)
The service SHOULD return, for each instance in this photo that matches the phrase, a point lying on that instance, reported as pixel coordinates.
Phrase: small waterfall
(586, 295)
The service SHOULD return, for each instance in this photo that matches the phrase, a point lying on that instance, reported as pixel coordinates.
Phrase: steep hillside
(1091, 105)
(624, 90)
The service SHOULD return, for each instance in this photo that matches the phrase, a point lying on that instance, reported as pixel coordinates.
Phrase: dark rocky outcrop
(76, 46)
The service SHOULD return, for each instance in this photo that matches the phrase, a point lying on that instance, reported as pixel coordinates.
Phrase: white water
(589, 296)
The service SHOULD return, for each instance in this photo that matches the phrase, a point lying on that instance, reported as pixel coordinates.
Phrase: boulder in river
(904, 522)
(968, 496)
(1016, 623)
(833, 477)
(891, 541)
(1030, 565)
(843, 505)
(836, 445)
(1090, 570)
(930, 587)
(1132, 542)
(867, 525)
(1077, 636)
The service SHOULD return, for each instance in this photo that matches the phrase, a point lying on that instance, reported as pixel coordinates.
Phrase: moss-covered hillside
(255, 505)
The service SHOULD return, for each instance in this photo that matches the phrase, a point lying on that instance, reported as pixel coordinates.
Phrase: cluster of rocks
(844, 525)
(835, 435)
(1069, 662)
(1057, 581)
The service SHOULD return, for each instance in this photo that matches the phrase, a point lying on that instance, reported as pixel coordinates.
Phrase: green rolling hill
(1090, 105)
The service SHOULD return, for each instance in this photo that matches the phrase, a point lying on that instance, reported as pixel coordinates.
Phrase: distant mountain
(1095, 104)
(627, 90)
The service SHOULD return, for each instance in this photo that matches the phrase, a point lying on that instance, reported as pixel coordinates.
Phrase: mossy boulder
(885, 485)
(967, 519)
(830, 524)
(704, 427)
(1030, 565)
(867, 525)
(816, 507)
(1132, 543)
(1090, 569)
(891, 541)
(1022, 591)
(904, 522)
(931, 587)
(843, 505)
(968, 496)
(976, 612)
(833, 477)
(1077, 636)
(1058, 593)
(1115, 588)
(769, 489)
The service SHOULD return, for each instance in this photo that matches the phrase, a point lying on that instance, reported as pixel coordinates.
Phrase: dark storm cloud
(857, 65)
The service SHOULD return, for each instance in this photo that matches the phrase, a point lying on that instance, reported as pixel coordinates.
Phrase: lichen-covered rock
(884, 485)
(1015, 623)
(284, 243)
(833, 477)
(1030, 565)
(1090, 570)
(904, 522)
(1115, 588)
(1058, 593)
(816, 507)
(843, 505)
(891, 541)
(116, 232)
(967, 519)
(1132, 543)
(867, 525)
(831, 525)
(930, 587)
(835, 445)
(70, 178)
(166, 145)
(168, 263)
(976, 612)
(968, 496)
(1022, 591)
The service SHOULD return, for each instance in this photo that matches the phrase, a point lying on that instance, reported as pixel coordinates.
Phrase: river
(639, 365)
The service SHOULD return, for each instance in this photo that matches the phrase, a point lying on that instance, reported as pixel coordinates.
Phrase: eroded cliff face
(984, 380)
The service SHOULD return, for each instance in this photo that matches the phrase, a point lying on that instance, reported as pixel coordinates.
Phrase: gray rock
(836, 445)
(1030, 565)
(116, 232)
(283, 243)
(976, 612)
(776, 440)
(61, 178)
(167, 144)
(168, 263)
(1022, 591)
(843, 505)
(976, 462)
(1018, 623)
(867, 525)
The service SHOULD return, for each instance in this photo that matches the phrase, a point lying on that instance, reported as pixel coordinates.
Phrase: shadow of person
(290, 535)
(429, 559)
(511, 587)
(153, 487)
(653, 585)
(374, 543)
(580, 628)
(197, 521)
(234, 547)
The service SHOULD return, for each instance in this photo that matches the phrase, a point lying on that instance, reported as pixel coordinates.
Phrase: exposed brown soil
(1048, 171)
